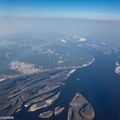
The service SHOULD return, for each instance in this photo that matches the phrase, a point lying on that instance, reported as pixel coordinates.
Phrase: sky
(96, 9)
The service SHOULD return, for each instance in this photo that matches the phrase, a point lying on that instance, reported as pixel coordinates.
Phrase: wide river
(98, 83)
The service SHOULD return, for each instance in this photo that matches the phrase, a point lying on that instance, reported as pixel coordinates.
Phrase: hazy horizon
(84, 9)
(33, 25)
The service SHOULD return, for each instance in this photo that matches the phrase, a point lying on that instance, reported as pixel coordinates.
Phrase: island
(43, 104)
(80, 109)
(58, 110)
(50, 113)
(46, 114)
(117, 69)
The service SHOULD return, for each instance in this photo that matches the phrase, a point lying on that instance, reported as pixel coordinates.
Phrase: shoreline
(72, 70)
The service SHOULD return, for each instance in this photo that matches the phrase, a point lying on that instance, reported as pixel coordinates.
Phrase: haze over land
(60, 59)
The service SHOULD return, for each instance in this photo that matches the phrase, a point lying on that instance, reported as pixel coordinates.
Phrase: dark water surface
(98, 84)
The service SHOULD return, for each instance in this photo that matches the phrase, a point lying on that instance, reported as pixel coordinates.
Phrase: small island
(117, 69)
(50, 113)
(44, 104)
(58, 110)
(46, 114)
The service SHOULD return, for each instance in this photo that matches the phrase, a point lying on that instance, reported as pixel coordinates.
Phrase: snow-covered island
(81, 39)
(117, 69)
(24, 68)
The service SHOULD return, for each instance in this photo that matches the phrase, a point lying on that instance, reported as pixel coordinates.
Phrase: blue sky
(108, 9)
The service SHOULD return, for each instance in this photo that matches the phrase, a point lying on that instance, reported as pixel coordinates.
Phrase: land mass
(80, 109)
